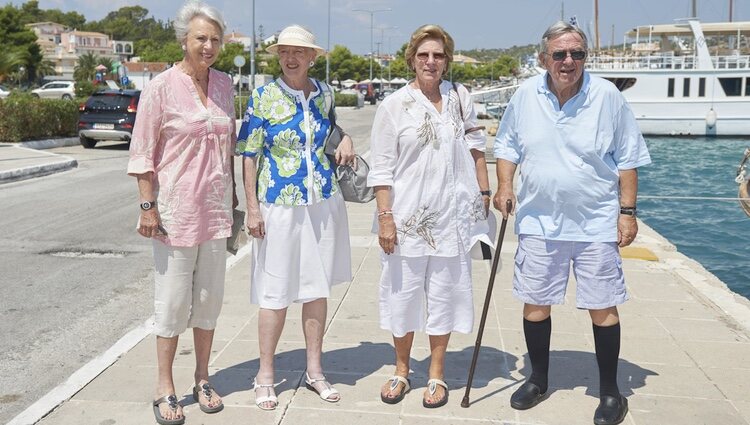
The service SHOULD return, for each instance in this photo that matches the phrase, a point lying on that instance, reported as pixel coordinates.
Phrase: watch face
(146, 205)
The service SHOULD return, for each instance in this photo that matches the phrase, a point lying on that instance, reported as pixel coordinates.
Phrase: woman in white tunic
(432, 193)
(295, 210)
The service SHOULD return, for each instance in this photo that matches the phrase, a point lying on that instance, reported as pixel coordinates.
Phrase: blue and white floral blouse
(289, 131)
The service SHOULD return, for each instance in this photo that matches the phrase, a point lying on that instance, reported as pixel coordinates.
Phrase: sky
(471, 23)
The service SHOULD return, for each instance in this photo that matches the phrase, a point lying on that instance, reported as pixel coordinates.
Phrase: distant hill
(488, 55)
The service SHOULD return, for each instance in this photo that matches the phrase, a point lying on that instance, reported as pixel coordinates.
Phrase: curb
(37, 170)
(50, 143)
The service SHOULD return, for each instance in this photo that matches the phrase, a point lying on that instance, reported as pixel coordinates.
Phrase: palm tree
(9, 63)
(85, 69)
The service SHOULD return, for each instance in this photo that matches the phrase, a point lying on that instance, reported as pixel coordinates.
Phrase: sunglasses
(560, 55)
(437, 57)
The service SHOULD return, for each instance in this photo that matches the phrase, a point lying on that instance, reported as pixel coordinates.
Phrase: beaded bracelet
(384, 212)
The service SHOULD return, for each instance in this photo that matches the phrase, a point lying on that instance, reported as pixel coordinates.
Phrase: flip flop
(327, 392)
(172, 400)
(395, 380)
(208, 391)
(432, 388)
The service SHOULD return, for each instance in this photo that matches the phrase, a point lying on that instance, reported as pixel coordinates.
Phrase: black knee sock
(607, 342)
(537, 342)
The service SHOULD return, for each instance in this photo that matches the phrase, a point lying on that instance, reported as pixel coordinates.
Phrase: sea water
(714, 233)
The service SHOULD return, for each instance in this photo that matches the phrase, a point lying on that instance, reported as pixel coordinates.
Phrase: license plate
(99, 126)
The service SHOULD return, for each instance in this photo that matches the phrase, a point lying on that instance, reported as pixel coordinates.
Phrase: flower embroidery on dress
(420, 224)
(427, 133)
(478, 212)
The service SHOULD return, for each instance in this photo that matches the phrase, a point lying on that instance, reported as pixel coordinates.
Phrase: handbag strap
(461, 110)
(329, 101)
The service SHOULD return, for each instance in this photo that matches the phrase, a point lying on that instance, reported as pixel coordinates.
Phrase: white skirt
(305, 252)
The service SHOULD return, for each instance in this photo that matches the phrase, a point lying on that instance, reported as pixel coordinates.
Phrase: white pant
(442, 283)
(189, 286)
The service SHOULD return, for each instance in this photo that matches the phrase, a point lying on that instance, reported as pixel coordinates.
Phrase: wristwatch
(147, 205)
(485, 192)
(631, 211)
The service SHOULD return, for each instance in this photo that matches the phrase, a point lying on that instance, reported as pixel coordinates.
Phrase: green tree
(9, 63)
(225, 61)
(85, 69)
(153, 51)
(31, 13)
(15, 37)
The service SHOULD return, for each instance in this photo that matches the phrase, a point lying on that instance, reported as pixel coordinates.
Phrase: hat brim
(274, 48)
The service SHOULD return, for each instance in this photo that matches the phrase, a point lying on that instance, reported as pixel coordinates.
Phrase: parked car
(4, 92)
(108, 115)
(56, 90)
(386, 91)
(368, 91)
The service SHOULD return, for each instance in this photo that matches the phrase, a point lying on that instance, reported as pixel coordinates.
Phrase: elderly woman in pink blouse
(181, 154)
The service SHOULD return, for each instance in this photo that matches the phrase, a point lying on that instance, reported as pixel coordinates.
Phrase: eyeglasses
(437, 57)
(561, 55)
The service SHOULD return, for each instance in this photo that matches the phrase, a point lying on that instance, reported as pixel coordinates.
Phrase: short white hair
(559, 28)
(192, 9)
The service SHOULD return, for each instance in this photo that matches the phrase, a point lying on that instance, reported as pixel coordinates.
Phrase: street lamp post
(252, 52)
(328, 46)
(145, 71)
(372, 13)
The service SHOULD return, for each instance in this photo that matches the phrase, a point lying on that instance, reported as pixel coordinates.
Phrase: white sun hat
(295, 35)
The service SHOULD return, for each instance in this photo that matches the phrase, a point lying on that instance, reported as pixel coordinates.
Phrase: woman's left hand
(486, 199)
(345, 154)
(235, 199)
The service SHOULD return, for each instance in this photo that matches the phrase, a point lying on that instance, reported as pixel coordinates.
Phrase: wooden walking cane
(495, 263)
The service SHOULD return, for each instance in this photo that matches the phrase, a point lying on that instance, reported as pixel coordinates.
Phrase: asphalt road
(75, 275)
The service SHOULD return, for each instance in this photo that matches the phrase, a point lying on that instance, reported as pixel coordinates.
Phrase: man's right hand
(500, 202)
(255, 225)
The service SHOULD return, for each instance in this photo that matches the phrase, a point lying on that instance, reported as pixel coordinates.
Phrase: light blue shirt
(569, 158)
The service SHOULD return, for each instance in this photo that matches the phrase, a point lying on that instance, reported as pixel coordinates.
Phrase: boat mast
(695, 9)
(596, 24)
(730, 10)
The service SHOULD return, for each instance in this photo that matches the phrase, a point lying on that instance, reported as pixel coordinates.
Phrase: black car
(108, 115)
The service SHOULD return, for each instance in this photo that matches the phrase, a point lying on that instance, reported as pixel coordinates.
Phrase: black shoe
(611, 410)
(527, 396)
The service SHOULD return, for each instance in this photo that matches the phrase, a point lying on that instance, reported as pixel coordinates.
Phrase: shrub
(240, 105)
(23, 117)
(346, 99)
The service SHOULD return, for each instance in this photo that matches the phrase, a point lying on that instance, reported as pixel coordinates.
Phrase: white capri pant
(430, 294)
(189, 286)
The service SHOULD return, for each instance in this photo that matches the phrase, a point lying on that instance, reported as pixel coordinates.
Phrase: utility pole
(612, 40)
(730, 10)
(328, 46)
(252, 52)
(562, 11)
(372, 13)
(695, 9)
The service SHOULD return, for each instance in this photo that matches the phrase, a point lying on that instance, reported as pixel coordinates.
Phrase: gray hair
(559, 28)
(192, 9)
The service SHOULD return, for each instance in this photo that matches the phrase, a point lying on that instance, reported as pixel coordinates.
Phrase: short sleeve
(630, 147)
(506, 142)
(146, 130)
(383, 148)
(253, 130)
(476, 140)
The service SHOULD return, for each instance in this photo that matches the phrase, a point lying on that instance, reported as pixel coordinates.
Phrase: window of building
(118, 48)
(731, 86)
(747, 86)
(686, 87)
(701, 87)
(622, 84)
(670, 88)
(128, 48)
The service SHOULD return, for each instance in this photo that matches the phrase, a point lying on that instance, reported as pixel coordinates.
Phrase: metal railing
(661, 62)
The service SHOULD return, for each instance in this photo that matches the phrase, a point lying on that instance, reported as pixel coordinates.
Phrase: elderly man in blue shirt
(578, 147)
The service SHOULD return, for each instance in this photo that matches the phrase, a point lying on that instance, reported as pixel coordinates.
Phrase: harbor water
(713, 232)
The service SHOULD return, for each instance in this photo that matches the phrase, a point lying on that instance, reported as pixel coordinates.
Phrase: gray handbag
(237, 238)
(353, 182)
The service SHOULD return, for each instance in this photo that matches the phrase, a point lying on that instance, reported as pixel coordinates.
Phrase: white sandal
(327, 392)
(270, 397)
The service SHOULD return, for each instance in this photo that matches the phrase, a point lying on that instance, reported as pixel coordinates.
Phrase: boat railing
(500, 95)
(663, 62)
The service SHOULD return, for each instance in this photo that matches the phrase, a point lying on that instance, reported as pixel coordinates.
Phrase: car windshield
(108, 101)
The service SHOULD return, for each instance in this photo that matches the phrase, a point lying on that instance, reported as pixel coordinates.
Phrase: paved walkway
(686, 341)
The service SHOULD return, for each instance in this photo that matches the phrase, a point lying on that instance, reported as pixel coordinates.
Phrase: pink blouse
(188, 146)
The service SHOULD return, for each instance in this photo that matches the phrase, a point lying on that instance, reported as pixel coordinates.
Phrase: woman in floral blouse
(295, 210)
(432, 193)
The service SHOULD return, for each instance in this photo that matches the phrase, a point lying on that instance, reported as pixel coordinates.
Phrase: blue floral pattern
(276, 126)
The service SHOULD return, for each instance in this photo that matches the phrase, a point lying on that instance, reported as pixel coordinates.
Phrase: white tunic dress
(425, 158)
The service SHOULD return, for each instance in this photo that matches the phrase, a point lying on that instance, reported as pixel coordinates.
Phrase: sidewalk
(19, 161)
(686, 339)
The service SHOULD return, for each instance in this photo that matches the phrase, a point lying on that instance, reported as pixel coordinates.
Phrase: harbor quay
(683, 360)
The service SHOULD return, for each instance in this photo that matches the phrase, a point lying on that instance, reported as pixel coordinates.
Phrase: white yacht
(676, 86)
